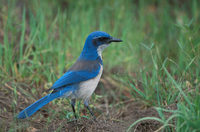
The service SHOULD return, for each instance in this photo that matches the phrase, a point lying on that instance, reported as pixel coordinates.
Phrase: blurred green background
(158, 62)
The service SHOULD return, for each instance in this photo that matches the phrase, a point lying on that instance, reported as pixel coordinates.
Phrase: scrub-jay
(80, 81)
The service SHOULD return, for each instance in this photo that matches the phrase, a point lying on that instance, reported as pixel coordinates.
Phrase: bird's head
(96, 42)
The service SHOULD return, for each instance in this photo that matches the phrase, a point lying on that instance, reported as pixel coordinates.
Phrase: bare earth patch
(117, 121)
(116, 118)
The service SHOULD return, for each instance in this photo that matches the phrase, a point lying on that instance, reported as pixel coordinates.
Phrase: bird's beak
(112, 39)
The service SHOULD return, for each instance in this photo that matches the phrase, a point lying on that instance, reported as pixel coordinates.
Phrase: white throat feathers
(101, 48)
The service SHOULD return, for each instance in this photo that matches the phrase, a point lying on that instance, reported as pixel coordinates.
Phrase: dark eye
(103, 38)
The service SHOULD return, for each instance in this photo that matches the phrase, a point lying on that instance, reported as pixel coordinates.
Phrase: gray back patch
(85, 65)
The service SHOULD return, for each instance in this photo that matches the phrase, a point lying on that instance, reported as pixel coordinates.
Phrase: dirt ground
(119, 121)
(116, 121)
(116, 118)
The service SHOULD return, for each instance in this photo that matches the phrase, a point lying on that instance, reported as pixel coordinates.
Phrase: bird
(81, 79)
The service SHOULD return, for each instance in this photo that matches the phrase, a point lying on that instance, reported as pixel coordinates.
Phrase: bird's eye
(103, 38)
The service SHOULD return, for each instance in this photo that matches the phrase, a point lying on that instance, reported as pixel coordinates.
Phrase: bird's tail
(30, 110)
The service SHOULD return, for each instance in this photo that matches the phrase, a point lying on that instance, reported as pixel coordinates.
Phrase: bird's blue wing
(80, 71)
(72, 77)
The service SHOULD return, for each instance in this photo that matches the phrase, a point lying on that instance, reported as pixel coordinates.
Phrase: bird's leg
(87, 106)
(73, 102)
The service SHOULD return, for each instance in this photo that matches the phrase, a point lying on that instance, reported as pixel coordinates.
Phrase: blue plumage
(81, 79)
(80, 71)
(30, 110)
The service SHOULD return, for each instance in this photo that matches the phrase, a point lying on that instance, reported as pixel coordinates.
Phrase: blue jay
(80, 81)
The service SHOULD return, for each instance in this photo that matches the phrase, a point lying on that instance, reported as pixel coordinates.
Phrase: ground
(116, 117)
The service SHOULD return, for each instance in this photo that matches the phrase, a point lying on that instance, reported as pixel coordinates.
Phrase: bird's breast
(86, 88)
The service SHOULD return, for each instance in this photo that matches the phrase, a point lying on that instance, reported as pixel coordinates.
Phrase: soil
(115, 118)
(116, 121)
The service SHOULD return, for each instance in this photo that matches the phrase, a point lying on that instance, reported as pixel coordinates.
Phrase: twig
(159, 129)
(125, 102)
(12, 89)
(4, 117)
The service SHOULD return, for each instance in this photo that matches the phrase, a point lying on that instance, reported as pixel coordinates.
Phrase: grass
(39, 40)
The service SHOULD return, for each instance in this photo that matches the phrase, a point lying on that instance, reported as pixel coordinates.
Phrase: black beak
(112, 39)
